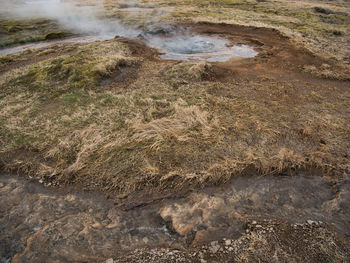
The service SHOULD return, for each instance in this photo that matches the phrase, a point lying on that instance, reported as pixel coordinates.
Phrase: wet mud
(38, 223)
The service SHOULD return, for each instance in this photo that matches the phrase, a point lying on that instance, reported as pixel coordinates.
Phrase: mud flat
(254, 218)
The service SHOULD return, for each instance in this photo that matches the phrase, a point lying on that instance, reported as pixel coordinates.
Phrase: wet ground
(39, 224)
(185, 47)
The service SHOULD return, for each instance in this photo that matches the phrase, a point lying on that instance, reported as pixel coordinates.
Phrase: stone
(310, 222)
(254, 222)
(145, 239)
(214, 248)
(227, 242)
(110, 260)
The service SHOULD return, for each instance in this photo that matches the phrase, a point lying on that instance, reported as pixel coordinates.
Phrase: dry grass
(172, 126)
(170, 129)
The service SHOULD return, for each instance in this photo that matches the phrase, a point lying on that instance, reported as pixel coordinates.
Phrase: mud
(39, 224)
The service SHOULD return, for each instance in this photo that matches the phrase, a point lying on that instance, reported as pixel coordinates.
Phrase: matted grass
(169, 129)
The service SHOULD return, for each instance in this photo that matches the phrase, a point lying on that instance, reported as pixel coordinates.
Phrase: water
(182, 47)
(44, 44)
(200, 48)
(78, 222)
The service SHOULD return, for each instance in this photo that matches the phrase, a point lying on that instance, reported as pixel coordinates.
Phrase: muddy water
(38, 223)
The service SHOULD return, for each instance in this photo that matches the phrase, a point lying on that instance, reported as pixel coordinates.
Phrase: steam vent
(174, 131)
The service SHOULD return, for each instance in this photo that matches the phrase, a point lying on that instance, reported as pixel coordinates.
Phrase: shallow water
(44, 44)
(200, 48)
(78, 223)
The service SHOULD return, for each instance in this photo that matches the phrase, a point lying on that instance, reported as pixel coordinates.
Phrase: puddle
(82, 225)
(200, 48)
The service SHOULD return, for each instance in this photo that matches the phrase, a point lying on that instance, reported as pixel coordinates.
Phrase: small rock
(36, 229)
(230, 248)
(227, 242)
(258, 226)
(145, 239)
(310, 222)
(214, 243)
(254, 222)
(214, 247)
(41, 181)
(110, 260)
(203, 260)
(97, 225)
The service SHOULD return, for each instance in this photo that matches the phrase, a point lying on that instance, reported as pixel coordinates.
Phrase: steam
(76, 18)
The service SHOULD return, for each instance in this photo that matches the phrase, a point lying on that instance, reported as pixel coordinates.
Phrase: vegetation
(160, 125)
(20, 31)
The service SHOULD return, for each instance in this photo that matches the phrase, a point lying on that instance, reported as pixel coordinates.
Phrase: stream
(38, 222)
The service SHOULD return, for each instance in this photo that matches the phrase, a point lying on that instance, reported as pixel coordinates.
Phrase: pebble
(215, 247)
(110, 260)
(227, 242)
(97, 225)
(310, 222)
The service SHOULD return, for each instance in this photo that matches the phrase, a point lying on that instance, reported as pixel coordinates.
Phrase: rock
(145, 239)
(254, 222)
(110, 260)
(310, 222)
(97, 225)
(258, 226)
(203, 260)
(214, 247)
(227, 242)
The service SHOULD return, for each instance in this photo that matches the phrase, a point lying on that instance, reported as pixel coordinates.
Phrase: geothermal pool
(201, 48)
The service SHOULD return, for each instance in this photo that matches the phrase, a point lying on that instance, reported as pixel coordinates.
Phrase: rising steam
(72, 16)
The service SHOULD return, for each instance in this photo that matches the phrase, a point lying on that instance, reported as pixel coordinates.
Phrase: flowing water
(77, 225)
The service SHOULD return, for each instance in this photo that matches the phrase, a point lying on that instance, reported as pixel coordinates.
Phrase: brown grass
(172, 125)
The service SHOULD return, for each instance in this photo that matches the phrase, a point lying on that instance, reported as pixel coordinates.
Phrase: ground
(113, 117)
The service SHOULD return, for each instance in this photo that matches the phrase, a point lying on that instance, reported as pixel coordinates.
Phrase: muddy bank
(293, 217)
